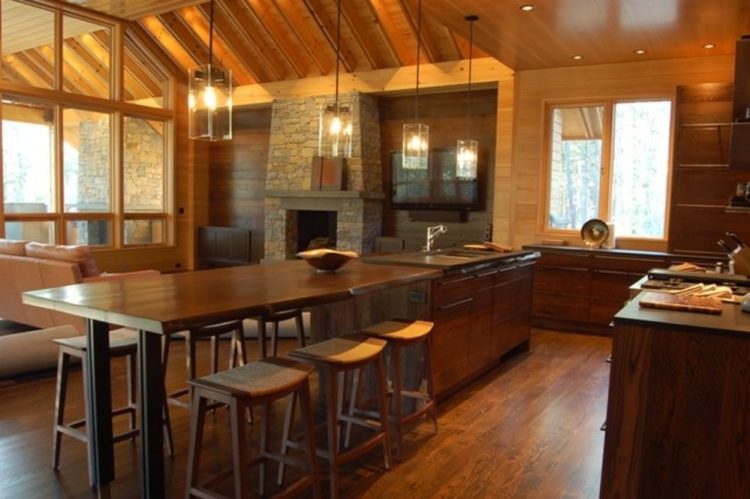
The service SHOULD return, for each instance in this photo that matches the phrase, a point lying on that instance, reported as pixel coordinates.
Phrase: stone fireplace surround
(293, 143)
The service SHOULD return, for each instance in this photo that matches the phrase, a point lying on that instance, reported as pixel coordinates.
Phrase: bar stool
(334, 358)
(256, 383)
(237, 355)
(275, 318)
(401, 334)
(122, 343)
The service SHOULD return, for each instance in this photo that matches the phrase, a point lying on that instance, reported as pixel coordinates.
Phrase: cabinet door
(480, 343)
(451, 343)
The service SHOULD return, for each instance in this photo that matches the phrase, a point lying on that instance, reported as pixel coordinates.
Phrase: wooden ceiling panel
(168, 43)
(307, 29)
(388, 18)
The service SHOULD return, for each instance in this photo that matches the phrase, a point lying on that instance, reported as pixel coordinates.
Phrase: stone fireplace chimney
(294, 142)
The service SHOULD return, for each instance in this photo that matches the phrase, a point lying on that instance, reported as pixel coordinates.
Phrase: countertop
(450, 260)
(626, 253)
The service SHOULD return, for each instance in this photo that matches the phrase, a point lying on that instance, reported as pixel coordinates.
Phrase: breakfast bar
(165, 304)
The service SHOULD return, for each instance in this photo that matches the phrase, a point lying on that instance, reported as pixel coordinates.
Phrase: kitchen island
(678, 415)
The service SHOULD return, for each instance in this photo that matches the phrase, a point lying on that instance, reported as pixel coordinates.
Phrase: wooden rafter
(24, 72)
(140, 80)
(193, 17)
(81, 75)
(463, 47)
(169, 44)
(185, 37)
(428, 44)
(403, 53)
(261, 11)
(327, 27)
(238, 28)
(41, 67)
(91, 64)
(317, 47)
(359, 28)
(152, 53)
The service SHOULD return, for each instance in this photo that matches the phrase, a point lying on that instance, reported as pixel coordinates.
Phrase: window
(611, 161)
(80, 167)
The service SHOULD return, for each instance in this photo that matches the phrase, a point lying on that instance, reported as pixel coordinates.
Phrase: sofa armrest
(122, 275)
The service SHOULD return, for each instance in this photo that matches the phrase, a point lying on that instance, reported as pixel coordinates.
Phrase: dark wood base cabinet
(678, 415)
(479, 317)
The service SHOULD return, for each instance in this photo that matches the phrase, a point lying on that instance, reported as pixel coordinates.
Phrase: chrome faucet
(432, 233)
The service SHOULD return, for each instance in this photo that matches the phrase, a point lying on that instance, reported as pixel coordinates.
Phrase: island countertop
(173, 302)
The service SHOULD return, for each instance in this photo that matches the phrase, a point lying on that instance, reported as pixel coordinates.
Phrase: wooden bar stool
(256, 383)
(122, 343)
(334, 358)
(275, 318)
(399, 335)
(237, 355)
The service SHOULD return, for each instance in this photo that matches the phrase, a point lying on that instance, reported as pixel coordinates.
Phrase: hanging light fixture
(467, 149)
(416, 138)
(335, 125)
(210, 97)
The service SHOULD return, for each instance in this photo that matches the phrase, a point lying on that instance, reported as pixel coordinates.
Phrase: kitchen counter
(453, 260)
(678, 414)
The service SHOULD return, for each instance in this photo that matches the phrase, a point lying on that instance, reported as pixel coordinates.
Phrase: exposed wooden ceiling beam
(155, 54)
(327, 27)
(304, 27)
(199, 24)
(239, 29)
(359, 28)
(18, 66)
(84, 77)
(262, 12)
(35, 61)
(185, 37)
(171, 45)
(428, 44)
(140, 79)
(396, 42)
(92, 65)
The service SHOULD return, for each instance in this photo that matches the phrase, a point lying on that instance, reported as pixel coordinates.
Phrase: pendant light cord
(211, 34)
(468, 96)
(419, 46)
(338, 56)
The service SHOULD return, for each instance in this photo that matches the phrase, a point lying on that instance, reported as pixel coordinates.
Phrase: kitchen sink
(458, 254)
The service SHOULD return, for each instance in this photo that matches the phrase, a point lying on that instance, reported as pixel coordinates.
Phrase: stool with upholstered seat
(334, 358)
(256, 383)
(122, 343)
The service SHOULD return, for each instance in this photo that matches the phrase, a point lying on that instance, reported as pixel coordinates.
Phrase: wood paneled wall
(237, 176)
(534, 88)
(445, 113)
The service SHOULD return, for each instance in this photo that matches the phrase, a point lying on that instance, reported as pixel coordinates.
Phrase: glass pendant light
(335, 126)
(210, 97)
(416, 138)
(467, 149)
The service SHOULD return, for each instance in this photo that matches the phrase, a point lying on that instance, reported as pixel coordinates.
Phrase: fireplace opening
(316, 229)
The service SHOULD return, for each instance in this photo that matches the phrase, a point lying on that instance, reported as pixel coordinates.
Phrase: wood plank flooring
(529, 428)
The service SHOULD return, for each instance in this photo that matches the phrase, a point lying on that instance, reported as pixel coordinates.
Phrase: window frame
(606, 168)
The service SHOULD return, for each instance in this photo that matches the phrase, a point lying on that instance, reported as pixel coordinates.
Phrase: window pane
(91, 232)
(641, 164)
(575, 166)
(86, 153)
(28, 158)
(144, 231)
(144, 166)
(28, 45)
(145, 82)
(86, 49)
(41, 232)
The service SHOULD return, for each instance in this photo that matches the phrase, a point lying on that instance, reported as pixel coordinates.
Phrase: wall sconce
(210, 97)
(416, 137)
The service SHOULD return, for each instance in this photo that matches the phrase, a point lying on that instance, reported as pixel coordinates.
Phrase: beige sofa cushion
(82, 255)
(11, 247)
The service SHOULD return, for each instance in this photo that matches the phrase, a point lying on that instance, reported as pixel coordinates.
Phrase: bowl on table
(327, 260)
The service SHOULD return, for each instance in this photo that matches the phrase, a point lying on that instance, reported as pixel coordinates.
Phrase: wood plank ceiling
(274, 40)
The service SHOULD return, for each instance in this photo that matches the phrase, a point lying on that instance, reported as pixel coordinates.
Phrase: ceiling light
(709, 45)
(576, 57)
(210, 97)
(416, 137)
(467, 149)
(639, 51)
(335, 125)
(527, 7)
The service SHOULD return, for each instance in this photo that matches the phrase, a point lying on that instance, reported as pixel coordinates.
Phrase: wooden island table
(161, 305)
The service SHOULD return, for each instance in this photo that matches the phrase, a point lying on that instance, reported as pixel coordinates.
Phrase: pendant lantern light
(416, 137)
(467, 149)
(335, 125)
(210, 97)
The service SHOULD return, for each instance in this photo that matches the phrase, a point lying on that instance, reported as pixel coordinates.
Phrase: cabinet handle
(456, 304)
(618, 272)
(457, 280)
(488, 273)
(507, 269)
(575, 269)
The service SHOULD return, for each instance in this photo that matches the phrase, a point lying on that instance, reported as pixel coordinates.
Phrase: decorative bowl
(327, 260)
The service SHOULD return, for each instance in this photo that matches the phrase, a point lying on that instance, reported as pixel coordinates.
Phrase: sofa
(26, 266)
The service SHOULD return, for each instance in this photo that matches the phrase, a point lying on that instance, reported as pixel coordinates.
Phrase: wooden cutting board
(668, 301)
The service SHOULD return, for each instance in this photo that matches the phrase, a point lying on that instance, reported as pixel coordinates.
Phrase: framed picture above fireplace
(437, 187)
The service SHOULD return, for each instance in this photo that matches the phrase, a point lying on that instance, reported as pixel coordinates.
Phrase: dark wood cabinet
(479, 317)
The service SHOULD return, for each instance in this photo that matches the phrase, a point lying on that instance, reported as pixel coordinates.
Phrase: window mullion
(605, 188)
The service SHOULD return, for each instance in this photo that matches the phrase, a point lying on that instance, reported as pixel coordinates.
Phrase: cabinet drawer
(449, 290)
(637, 265)
(554, 306)
(564, 281)
(612, 285)
(560, 260)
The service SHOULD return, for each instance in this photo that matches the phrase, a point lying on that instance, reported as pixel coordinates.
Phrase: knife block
(741, 259)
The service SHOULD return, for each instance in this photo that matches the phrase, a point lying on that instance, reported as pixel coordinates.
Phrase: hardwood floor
(529, 428)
